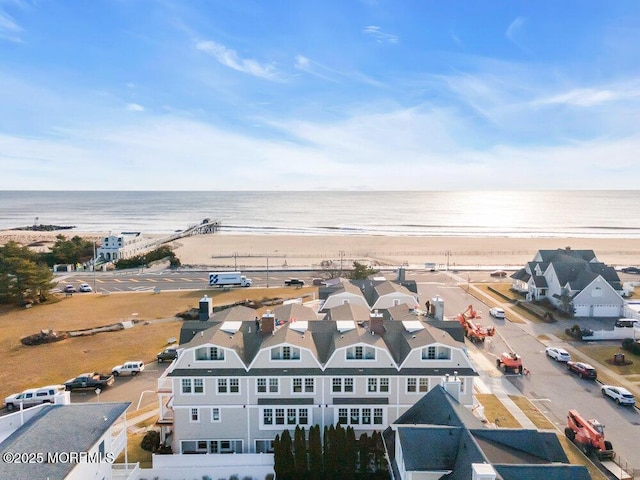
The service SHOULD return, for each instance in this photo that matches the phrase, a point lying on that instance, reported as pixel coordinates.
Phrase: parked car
(167, 354)
(294, 282)
(558, 354)
(33, 396)
(89, 380)
(498, 273)
(627, 322)
(635, 270)
(584, 370)
(496, 312)
(128, 368)
(85, 287)
(621, 395)
(70, 289)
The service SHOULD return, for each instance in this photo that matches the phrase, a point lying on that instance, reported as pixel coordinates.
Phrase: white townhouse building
(233, 388)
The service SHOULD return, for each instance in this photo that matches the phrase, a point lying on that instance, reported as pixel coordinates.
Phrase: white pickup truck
(128, 368)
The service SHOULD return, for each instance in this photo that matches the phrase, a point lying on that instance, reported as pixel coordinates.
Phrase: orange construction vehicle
(588, 435)
(509, 362)
(473, 330)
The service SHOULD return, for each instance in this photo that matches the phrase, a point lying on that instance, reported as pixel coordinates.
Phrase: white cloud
(379, 36)
(9, 29)
(514, 32)
(313, 68)
(134, 107)
(589, 97)
(229, 58)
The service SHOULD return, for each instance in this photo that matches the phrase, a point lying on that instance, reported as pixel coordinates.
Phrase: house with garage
(440, 438)
(233, 387)
(574, 281)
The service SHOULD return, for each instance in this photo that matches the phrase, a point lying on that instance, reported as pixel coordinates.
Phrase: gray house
(572, 279)
(438, 438)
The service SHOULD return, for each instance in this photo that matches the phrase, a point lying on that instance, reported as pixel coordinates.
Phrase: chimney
(401, 273)
(438, 308)
(205, 309)
(376, 323)
(268, 323)
(451, 385)
(482, 471)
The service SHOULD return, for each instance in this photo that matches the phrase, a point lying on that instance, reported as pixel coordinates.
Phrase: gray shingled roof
(437, 433)
(58, 428)
(563, 254)
(349, 311)
(296, 311)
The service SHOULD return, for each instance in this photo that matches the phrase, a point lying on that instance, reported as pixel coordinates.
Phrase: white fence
(618, 333)
(257, 466)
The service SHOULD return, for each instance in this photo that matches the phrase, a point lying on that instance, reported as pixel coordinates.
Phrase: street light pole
(341, 259)
(267, 271)
(94, 266)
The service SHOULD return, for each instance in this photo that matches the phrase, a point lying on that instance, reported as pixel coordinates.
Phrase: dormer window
(285, 352)
(436, 352)
(361, 352)
(210, 353)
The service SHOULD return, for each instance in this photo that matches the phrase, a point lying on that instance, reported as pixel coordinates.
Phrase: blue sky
(297, 95)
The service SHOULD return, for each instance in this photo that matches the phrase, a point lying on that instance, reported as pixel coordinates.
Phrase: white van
(33, 396)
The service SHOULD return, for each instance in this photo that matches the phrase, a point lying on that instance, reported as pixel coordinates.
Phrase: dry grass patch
(576, 457)
(135, 452)
(496, 412)
(531, 411)
(604, 353)
(26, 367)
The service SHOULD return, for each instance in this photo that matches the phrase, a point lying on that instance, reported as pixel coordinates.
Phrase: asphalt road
(549, 386)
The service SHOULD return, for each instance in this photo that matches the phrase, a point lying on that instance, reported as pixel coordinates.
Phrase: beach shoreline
(240, 251)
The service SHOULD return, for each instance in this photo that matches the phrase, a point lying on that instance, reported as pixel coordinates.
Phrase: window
(264, 446)
(337, 385)
(303, 416)
(267, 416)
(355, 416)
(377, 416)
(436, 352)
(215, 414)
(198, 385)
(195, 415)
(234, 385)
(348, 384)
(342, 385)
(268, 385)
(285, 352)
(279, 416)
(309, 385)
(209, 353)
(366, 416)
(424, 385)
(360, 352)
(222, 385)
(297, 385)
(186, 385)
(342, 416)
(372, 385)
(384, 384)
(291, 416)
(411, 385)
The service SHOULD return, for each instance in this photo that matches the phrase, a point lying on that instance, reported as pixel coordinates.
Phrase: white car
(621, 395)
(33, 396)
(558, 354)
(496, 312)
(128, 368)
(85, 287)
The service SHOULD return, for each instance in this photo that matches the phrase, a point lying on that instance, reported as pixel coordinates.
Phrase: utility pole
(267, 271)
(94, 267)
(235, 261)
(341, 259)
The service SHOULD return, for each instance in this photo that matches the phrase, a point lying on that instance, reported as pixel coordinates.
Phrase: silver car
(558, 354)
(621, 395)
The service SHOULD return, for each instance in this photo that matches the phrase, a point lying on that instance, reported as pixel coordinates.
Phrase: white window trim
(219, 415)
(191, 420)
(193, 386)
(303, 386)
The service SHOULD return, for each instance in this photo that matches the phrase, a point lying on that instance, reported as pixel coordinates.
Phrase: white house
(66, 442)
(572, 279)
(125, 245)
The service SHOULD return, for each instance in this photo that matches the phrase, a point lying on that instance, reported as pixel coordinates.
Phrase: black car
(294, 282)
(630, 270)
(168, 354)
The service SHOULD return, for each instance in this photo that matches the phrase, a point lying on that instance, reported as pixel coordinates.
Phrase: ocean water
(614, 214)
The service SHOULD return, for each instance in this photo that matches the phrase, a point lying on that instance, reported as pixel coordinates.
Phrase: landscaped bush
(151, 441)
(630, 345)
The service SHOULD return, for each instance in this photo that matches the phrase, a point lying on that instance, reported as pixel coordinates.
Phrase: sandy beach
(244, 251)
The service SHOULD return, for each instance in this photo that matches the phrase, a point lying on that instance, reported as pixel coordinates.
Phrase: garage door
(606, 310)
(582, 310)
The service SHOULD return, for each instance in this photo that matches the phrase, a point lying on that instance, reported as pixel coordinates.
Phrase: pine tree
(316, 469)
(22, 278)
(363, 453)
(288, 465)
(330, 454)
(301, 465)
(350, 454)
